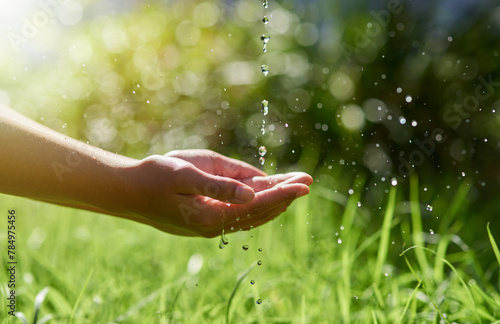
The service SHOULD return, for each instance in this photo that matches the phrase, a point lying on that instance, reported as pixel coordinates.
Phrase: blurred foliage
(382, 88)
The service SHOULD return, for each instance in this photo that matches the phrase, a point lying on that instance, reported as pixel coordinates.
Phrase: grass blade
(22, 317)
(416, 223)
(40, 297)
(493, 244)
(385, 235)
(464, 285)
(80, 296)
(171, 318)
(233, 293)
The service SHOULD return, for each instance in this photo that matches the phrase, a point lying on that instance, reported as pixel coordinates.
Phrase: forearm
(37, 162)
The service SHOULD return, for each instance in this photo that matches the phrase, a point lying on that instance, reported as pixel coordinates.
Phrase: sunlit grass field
(328, 259)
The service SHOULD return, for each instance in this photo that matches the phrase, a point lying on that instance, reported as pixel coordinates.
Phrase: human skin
(188, 192)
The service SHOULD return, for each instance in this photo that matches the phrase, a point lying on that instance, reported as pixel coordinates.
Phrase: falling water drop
(262, 150)
(245, 247)
(223, 241)
(259, 262)
(265, 39)
(252, 282)
(265, 3)
(265, 20)
(265, 69)
(265, 107)
(259, 301)
(262, 160)
(429, 208)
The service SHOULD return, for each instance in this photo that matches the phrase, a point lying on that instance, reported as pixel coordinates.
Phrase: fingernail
(302, 192)
(243, 194)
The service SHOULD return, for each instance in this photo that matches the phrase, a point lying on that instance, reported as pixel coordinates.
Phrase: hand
(200, 192)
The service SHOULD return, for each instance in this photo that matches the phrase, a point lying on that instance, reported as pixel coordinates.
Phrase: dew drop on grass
(252, 282)
(339, 241)
(245, 247)
(260, 249)
(259, 262)
(259, 301)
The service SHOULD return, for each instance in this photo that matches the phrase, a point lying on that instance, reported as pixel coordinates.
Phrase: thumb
(221, 188)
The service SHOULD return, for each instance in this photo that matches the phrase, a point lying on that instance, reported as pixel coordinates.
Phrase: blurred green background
(362, 94)
(383, 89)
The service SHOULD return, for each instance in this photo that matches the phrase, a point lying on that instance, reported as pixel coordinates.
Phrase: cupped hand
(200, 192)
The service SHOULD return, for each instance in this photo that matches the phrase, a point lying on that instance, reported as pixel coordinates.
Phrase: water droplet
(429, 207)
(262, 150)
(265, 69)
(265, 107)
(408, 99)
(350, 191)
(245, 247)
(463, 174)
(359, 203)
(339, 241)
(399, 90)
(414, 123)
(259, 262)
(262, 160)
(402, 120)
(260, 249)
(265, 20)
(355, 297)
(252, 282)
(265, 39)
(223, 241)
(259, 301)
(431, 231)
(394, 182)
(265, 3)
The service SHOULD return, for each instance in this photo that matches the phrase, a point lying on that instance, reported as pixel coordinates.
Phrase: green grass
(326, 260)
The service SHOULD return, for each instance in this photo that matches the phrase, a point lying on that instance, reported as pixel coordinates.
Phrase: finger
(217, 164)
(262, 183)
(195, 181)
(263, 204)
